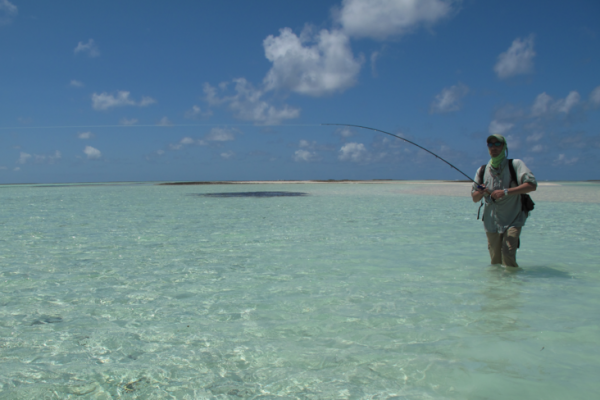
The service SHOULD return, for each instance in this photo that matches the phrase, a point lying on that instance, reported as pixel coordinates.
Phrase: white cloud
(146, 101)
(220, 135)
(306, 143)
(541, 104)
(76, 83)
(187, 140)
(513, 142)
(227, 155)
(92, 153)
(544, 104)
(499, 127)
(449, 99)
(305, 155)
(538, 148)
(379, 19)
(595, 97)
(374, 57)
(164, 121)
(247, 104)
(23, 157)
(7, 12)
(90, 48)
(345, 132)
(104, 101)
(196, 112)
(535, 137)
(518, 59)
(128, 122)
(568, 103)
(314, 66)
(355, 152)
(85, 135)
(563, 160)
(40, 159)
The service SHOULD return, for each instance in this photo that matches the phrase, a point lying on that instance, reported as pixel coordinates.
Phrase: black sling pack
(526, 203)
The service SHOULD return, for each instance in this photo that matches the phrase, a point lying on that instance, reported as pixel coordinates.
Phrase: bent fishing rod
(414, 144)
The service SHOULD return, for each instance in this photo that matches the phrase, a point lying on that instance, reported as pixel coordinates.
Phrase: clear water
(355, 291)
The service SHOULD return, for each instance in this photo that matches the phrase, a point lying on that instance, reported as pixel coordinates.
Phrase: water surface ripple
(350, 292)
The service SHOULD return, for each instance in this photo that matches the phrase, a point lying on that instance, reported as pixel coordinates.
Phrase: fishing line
(142, 126)
(413, 143)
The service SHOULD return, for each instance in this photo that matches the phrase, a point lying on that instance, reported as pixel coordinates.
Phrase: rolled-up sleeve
(524, 174)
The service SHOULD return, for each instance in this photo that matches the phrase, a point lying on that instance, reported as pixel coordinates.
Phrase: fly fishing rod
(413, 143)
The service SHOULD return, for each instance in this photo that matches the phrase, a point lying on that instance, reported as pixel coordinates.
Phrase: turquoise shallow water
(364, 291)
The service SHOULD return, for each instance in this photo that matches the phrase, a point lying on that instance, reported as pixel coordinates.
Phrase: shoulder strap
(513, 174)
(481, 173)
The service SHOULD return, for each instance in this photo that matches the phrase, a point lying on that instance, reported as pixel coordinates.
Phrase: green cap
(497, 136)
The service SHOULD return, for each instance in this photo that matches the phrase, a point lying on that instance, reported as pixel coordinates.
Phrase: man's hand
(497, 194)
(479, 193)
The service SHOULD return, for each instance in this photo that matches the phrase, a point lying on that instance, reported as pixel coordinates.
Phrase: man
(503, 216)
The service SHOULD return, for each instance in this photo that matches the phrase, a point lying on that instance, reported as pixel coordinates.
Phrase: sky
(105, 91)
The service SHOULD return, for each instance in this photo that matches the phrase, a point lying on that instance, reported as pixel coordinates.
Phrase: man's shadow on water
(539, 271)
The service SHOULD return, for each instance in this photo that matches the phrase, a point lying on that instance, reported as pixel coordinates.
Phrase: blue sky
(237, 90)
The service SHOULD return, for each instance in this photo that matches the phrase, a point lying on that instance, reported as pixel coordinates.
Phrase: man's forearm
(522, 189)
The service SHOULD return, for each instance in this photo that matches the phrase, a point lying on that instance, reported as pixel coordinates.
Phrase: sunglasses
(497, 144)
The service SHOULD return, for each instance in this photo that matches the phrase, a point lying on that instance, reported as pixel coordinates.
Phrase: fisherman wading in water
(504, 214)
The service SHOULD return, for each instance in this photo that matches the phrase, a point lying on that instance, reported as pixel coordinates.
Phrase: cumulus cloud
(595, 97)
(380, 19)
(499, 127)
(518, 59)
(534, 137)
(449, 99)
(164, 121)
(311, 65)
(538, 148)
(220, 135)
(187, 140)
(39, 158)
(8, 11)
(355, 152)
(146, 101)
(49, 159)
(196, 112)
(104, 101)
(545, 104)
(248, 104)
(90, 48)
(227, 155)
(85, 135)
(345, 132)
(23, 157)
(76, 83)
(563, 160)
(92, 153)
(215, 135)
(305, 155)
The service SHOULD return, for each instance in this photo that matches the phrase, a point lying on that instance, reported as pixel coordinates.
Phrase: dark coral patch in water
(254, 194)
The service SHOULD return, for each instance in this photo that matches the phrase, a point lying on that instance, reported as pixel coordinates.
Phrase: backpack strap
(481, 173)
(513, 174)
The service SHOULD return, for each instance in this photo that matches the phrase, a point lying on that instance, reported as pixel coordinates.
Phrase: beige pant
(503, 247)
